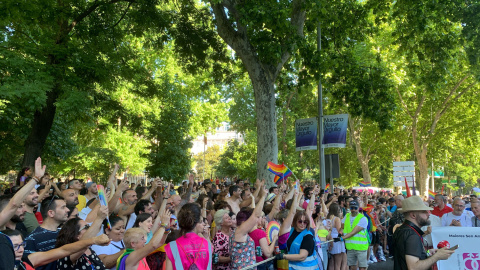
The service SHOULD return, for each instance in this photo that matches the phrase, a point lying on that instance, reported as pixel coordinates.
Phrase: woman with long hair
(301, 245)
(189, 251)
(71, 232)
(339, 259)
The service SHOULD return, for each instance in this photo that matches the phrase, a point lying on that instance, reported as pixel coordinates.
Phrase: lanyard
(88, 261)
(421, 238)
(120, 248)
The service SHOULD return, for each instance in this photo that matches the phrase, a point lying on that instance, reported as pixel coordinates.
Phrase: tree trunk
(262, 75)
(42, 123)
(421, 155)
(267, 142)
(363, 159)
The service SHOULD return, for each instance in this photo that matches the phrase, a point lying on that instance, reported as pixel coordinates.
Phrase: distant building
(222, 136)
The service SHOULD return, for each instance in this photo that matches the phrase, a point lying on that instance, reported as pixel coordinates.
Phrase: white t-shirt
(131, 221)
(465, 219)
(84, 213)
(111, 249)
(362, 223)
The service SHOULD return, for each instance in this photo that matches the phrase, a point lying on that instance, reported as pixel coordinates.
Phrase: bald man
(71, 197)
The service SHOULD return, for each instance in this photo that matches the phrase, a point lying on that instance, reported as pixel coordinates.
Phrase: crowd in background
(211, 224)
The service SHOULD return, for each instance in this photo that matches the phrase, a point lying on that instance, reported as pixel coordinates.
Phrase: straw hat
(413, 203)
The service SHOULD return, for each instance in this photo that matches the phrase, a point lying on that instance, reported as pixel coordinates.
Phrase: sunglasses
(353, 208)
(51, 200)
(17, 247)
(86, 227)
(302, 222)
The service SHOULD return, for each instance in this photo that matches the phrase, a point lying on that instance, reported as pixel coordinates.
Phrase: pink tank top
(197, 248)
(142, 265)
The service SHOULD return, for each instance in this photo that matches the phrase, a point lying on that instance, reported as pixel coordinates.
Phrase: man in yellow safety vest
(355, 237)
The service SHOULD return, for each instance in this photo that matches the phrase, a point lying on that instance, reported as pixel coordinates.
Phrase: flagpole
(321, 151)
(292, 173)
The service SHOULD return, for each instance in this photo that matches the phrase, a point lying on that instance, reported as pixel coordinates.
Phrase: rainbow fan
(273, 228)
(103, 200)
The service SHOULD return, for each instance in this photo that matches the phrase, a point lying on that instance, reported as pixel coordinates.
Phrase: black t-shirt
(408, 242)
(22, 228)
(7, 260)
(307, 243)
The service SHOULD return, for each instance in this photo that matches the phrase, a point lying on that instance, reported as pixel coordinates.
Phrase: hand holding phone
(454, 247)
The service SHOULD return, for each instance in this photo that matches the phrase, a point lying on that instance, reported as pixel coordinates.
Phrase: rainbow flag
(365, 184)
(281, 171)
(431, 195)
(367, 212)
(298, 186)
(327, 187)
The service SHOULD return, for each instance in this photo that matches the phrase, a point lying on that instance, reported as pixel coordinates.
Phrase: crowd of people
(217, 225)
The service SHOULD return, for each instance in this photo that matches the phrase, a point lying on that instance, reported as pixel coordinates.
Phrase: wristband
(36, 179)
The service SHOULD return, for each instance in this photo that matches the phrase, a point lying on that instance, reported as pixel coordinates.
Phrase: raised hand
(123, 185)
(39, 169)
(102, 212)
(191, 178)
(48, 185)
(165, 219)
(257, 183)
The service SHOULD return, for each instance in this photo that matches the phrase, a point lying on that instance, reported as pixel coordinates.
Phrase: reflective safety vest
(310, 263)
(360, 240)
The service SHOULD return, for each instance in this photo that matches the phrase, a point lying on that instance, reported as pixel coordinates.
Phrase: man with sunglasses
(54, 212)
(356, 237)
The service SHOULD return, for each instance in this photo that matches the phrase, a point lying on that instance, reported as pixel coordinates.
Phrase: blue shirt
(392, 208)
(41, 240)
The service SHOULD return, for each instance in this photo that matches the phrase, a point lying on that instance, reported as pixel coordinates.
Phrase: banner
(306, 134)
(335, 130)
(467, 256)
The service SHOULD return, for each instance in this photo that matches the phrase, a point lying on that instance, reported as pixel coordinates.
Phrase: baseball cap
(89, 184)
(354, 203)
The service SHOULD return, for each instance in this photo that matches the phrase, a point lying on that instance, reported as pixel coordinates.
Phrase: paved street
(388, 264)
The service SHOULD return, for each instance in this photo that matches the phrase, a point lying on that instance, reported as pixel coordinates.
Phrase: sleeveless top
(311, 262)
(190, 249)
(243, 253)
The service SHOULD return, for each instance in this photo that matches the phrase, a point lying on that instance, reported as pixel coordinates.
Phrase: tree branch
(404, 104)
(123, 16)
(84, 14)
(297, 22)
(446, 105)
(419, 108)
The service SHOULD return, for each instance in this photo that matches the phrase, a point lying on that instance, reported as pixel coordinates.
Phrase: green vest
(360, 240)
